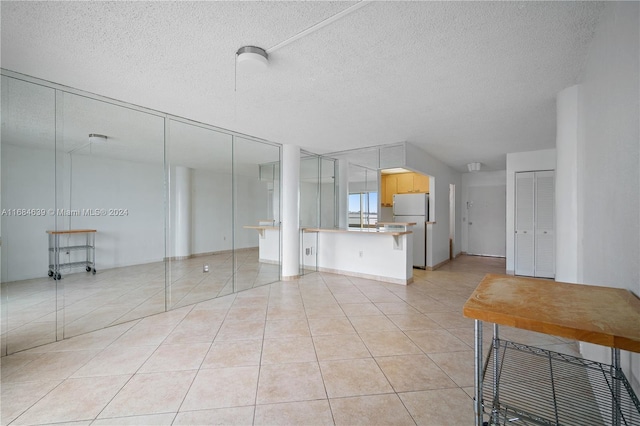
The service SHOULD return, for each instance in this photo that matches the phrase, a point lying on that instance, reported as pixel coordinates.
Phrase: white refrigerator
(414, 208)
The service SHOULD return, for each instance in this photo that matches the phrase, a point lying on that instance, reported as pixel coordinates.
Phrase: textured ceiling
(466, 81)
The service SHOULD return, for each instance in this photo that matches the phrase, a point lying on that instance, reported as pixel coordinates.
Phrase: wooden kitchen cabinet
(420, 183)
(402, 183)
(405, 183)
(409, 183)
(389, 187)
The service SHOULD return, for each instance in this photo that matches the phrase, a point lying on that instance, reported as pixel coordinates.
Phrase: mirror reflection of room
(167, 227)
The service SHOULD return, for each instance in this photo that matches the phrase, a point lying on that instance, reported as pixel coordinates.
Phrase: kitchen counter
(380, 254)
(386, 231)
(268, 243)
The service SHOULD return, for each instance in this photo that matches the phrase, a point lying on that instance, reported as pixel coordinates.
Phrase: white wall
(609, 205)
(328, 205)
(494, 181)
(212, 220)
(443, 176)
(568, 151)
(98, 183)
(522, 162)
(309, 204)
(212, 212)
(251, 206)
(343, 193)
(28, 182)
(137, 237)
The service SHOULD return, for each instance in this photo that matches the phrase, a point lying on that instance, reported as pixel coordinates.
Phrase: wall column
(290, 226)
(343, 193)
(182, 212)
(566, 209)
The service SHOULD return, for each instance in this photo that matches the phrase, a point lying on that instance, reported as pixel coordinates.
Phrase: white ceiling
(466, 81)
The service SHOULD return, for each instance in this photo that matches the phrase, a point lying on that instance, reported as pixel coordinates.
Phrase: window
(363, 209)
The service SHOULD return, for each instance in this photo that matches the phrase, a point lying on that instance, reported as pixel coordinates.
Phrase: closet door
(535, 224)
(544, 225)
(524, 237)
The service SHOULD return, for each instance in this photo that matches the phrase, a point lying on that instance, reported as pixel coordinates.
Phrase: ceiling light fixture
(93, 138)
(253, 55)
(96, 138)
(251, 58)
(474, 167)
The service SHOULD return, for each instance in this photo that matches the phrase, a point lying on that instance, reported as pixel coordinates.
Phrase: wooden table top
(72, 231)
(261, 227)
(603, 315)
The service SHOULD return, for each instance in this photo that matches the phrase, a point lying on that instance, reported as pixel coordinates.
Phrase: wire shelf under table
(541, 387)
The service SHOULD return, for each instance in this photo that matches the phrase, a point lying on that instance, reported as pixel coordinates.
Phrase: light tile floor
(118, 295)
(325, 349)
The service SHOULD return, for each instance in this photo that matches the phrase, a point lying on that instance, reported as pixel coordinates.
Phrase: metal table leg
(495, 413)
(615, 375)
(478, 373)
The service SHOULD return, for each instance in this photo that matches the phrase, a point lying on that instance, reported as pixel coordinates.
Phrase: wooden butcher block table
(534, 386)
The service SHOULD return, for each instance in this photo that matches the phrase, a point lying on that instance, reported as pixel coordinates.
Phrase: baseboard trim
(439, 265)
(367, 276)
(210, 253)
(291, 277)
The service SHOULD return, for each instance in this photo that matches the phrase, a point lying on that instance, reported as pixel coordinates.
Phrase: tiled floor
(326, 349)
(118, 295)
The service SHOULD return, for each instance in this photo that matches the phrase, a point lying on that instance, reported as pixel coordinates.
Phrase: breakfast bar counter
(382, 253)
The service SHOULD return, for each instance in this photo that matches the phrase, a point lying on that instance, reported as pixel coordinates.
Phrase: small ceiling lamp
(96, 138)
(474, 167)
(256, 56)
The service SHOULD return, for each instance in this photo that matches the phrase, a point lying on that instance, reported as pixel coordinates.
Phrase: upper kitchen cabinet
(420, 183)
(402, 183)
(389, 187)
(405, 183)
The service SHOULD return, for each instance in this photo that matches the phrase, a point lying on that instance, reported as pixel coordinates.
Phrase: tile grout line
(195, 376)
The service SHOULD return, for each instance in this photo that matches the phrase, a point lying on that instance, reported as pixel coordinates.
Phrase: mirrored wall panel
(112, 213)
(328, 193)
(309, 190)
(256, 195)
(28, 212)
(363, 196)
(200, 214)
(110, 219)
(317, 204)
(310, 168)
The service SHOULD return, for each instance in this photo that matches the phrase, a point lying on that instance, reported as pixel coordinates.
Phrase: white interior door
(535, 224)
(487, 218)
(544, 225)
(524, 238)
